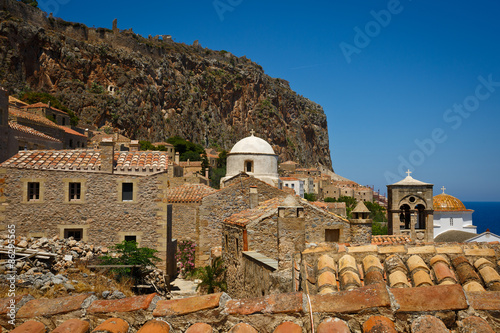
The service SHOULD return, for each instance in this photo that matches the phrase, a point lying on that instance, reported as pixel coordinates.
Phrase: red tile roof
(188, 193)
(42, 105)
(288, 179)
(31, 131)
(88, 160)
(390, 239)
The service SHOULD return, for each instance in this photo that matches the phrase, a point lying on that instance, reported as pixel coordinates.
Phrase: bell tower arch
(410, 209)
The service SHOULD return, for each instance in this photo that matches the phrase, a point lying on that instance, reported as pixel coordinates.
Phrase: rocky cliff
(153, 88)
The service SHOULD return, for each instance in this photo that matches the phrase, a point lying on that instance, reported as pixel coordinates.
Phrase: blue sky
(404, 84)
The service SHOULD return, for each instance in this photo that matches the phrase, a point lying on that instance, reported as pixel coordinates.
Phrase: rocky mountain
(153, 88)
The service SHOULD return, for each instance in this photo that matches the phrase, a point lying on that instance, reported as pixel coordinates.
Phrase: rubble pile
(44, 262)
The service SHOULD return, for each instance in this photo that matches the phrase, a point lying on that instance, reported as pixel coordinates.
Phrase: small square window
(77, 234)
(33, 191)
(127, 191)
(75, 191)
(332, 235)
(131, 238)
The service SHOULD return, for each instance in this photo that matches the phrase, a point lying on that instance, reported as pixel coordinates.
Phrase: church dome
(253, 145)
(446, 202)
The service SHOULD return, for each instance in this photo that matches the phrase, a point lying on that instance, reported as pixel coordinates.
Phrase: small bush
(185, 257)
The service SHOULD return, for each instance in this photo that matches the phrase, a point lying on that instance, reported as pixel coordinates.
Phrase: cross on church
(252, 132)
(443, 188)
(408, 172)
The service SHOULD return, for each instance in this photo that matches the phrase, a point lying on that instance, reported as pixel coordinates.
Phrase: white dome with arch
(254, 145)
(255, 157)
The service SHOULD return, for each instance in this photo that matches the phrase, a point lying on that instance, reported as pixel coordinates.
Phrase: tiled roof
(407, 269)
(42, 105)
(72, 131)
(33, 117)
(188, 193)
(40, 119)
(390, 239)
(292, 179)
(31, 131)
(88, 160)
(246, 216)
(372, 308)
(13, 100)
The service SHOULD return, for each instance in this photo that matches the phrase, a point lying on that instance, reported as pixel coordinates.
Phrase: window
(75, 191)
(71, 143)
(127, 191)
(332, 235)
(131, 238)
(77, 234)
(33, 191)
(293, 185)
(451, 221)
(63, 121)
(249, 166)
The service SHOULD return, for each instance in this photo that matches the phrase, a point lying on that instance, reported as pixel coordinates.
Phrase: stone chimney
(254, 197)
(361, 224)
(134, 145)
(107, 155)
(177, 158)
(291, 232)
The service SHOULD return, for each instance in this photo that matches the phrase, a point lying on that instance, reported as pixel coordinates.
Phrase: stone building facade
(96, 195)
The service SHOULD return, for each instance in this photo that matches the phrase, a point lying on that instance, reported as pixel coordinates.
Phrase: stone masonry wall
(185, 221)
(317, 221)
(263, 237)
(217, 207)
(103, 217)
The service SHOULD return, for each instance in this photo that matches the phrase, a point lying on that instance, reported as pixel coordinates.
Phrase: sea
(486, 216)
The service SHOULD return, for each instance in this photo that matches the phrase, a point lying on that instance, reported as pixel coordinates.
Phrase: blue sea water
(486, 216)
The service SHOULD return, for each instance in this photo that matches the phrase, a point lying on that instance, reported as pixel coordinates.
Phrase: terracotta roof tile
(244, 217)
(87, 160)
(42, 120)
(42, 105)
(31, 131)
(190, 164)
(390, 239)
(188, 193)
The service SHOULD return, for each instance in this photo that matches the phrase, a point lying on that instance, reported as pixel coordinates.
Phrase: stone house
(258, 243)
(99, 195)
(294, 183)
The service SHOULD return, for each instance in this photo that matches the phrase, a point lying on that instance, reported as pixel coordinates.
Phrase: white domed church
(255, 157)
(450, 214)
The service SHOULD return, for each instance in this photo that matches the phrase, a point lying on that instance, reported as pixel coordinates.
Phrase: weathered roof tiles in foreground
(370, 308)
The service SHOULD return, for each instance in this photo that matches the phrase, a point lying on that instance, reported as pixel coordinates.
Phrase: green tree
(205, 165)
(220, 171)
(213, 277)
(146, 145)
(186, 149)
(310, 196)
(31, 3)
(377, 212)
(379, 229)
(130, 254)
(350, 203)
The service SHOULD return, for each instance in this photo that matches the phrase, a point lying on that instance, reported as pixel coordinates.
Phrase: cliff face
(153, 88)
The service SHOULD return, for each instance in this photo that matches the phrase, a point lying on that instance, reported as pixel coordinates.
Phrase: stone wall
(263, 236)
(258, 279)
(185, 221)
(317, 221)
(100, 213)
(215, 208)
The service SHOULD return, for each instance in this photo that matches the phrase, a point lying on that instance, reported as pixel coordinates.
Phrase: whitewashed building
(450, 214)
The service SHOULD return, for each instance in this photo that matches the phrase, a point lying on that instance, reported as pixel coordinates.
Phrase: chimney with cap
(254, 197)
